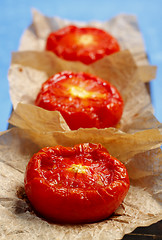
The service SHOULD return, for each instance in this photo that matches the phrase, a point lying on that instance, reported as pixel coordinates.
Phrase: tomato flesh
(76, 184)
(83, 100)
(86, 44)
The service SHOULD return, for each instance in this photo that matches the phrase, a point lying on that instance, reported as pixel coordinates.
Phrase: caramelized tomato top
(86, 44)
(83, 99)
(85, 166)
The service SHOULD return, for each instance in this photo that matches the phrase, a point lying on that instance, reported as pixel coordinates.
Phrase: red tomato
(86, 44)
(75, 185)
(83, 100)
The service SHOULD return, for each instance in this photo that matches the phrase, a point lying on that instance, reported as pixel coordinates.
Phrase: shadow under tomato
(22, 204)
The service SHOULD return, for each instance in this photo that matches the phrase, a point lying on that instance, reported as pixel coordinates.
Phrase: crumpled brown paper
(30, 69)
(124, 27)
(56, 133)
(141, 206)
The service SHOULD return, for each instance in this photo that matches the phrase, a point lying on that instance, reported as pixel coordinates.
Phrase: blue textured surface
(15, 16)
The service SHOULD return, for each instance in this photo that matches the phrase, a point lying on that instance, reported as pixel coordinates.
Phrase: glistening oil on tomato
(84, 100)
(86, 44)
(77, 184)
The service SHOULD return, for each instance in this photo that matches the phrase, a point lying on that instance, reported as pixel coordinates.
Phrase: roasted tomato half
(77, 184)
(86, 44)
(83, 100)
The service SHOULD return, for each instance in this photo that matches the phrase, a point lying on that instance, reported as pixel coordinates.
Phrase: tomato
(76, 184)
(83, 100)
(86, 44)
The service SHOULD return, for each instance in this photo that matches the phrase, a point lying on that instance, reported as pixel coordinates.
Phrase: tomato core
(86, 39)
(82, 93)
(78, 168)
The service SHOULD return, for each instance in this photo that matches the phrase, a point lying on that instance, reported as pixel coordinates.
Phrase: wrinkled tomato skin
(65, 203)
(99, 111)
(67, 43)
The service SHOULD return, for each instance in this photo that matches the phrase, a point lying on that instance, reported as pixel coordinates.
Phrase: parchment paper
(124, 27)
(60, 135)
(141, 207)
(30, 69)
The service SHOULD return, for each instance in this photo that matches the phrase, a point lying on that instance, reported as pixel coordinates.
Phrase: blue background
(15, 16)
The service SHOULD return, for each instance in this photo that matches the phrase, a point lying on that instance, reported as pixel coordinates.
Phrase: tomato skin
(54, 193)
(83, 100)
(86, 44)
